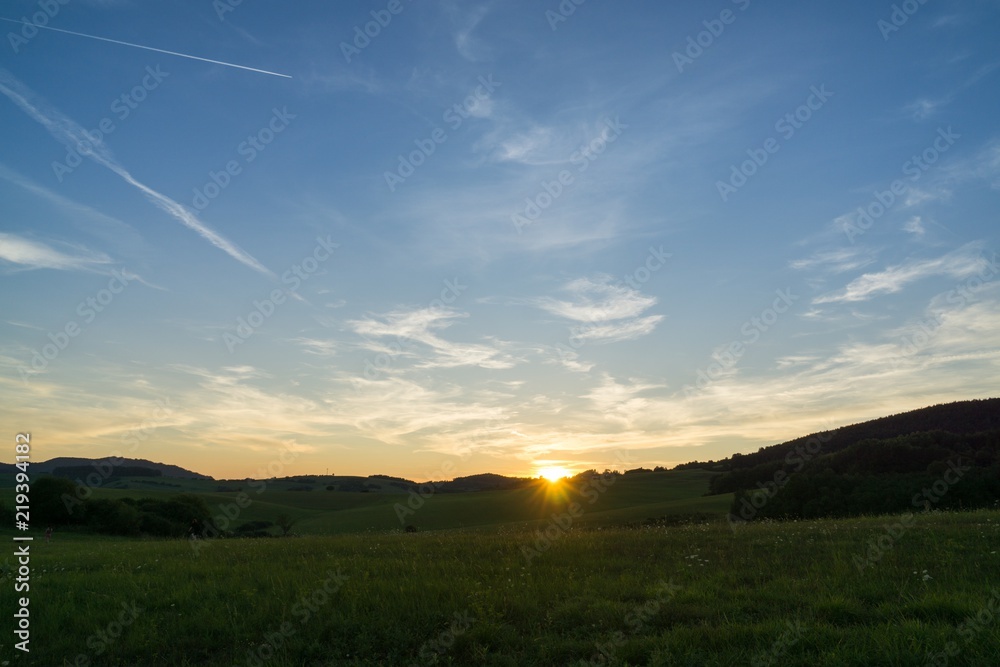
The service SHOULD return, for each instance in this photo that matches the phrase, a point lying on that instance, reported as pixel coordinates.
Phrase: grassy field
(320, 512)
(545, 575)
(780, 594)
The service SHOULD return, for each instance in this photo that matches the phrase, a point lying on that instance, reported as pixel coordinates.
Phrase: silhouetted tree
(285, 523)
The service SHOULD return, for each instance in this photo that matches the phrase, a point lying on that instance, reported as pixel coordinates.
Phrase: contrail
(69, 133)
(148, 48)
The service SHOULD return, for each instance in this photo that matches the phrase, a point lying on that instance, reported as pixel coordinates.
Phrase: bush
(54, 501)
(152, 524)
(114, 517)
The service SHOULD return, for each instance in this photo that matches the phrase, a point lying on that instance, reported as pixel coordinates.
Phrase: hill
(883, 465)
(70, 466)
(962, 417)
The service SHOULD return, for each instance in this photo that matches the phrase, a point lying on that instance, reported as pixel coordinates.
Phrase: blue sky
(491, 236)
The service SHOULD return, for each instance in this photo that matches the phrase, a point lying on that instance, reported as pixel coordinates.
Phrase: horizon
(551, 474)
(471, 236)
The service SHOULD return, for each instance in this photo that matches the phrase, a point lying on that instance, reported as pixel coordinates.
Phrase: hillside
(70, 466)
(885, 465)
(962, 417)
(256, 506)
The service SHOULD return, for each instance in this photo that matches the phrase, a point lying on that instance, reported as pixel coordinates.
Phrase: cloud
(924, 108)
(420, 326)
(72, 135)
(621, 402)
(836, 261)
(982, 166)
(28, 254)
(619, 331)
(596, 300)
(521, 147)
(915, 226)
(83, 217)
(958, 264)
(322, 348)
(466, 43)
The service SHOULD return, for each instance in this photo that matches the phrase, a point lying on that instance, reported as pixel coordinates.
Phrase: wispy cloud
(958, 264)
(609, 311)
(468, 45)
(83, 217)
(836, 261)
(596, 299)
(915, 226)
(71, 134)
(318, 347)
(421, 326)
(29, 254)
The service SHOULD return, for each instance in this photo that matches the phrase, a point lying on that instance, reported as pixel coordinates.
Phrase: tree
(285, 523)
(55, 501)
(114, 517)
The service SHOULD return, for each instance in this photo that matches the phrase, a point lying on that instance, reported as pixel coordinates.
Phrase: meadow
(553, 590)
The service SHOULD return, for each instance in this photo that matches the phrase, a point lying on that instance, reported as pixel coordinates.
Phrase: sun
(553, 473)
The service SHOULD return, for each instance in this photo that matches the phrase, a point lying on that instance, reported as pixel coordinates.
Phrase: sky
(436, 238)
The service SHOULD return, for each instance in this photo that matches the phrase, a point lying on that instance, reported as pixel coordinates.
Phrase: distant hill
(71, 466)
(879, 466)
(484, 482)
(962, 417)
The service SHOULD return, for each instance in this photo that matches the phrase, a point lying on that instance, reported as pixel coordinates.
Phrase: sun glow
(554, 473)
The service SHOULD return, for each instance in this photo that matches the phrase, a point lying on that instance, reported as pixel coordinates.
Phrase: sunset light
(499, 332)
(553, 473)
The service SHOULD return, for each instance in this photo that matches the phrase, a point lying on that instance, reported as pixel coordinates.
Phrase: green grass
(596, 585)
(320, 512)
(769, 593)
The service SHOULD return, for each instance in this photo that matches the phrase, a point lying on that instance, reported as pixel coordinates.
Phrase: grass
(770, 593)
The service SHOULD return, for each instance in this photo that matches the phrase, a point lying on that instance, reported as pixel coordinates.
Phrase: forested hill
(963, 417)
(876, 467)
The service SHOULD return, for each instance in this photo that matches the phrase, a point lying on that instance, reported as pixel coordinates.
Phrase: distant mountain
(72, 466)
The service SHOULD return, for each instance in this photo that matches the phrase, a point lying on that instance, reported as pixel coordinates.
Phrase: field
(590, 592)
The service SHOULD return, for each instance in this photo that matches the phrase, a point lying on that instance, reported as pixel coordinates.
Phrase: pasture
(520, 593)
